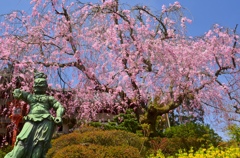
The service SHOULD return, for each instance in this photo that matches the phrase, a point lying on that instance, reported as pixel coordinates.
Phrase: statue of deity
(34, 139)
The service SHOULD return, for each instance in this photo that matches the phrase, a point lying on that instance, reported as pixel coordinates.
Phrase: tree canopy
(109, 56)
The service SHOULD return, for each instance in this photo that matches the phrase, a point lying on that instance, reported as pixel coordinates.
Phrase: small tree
(124, 121)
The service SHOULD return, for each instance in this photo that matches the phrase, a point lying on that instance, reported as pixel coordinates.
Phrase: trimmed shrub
(122, 152)
(98, 151)
(99, 137)
(63, 141)
(86, 128)
(79, 151)
(112, 138)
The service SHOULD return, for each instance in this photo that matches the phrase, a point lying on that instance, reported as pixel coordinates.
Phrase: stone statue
(34, 139)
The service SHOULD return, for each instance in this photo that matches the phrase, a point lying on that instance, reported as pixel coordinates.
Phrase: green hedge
(109, 139)
(97, 151)
(186, 136)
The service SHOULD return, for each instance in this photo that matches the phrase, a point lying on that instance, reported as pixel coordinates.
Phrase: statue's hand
(17, 93)
(58, 120)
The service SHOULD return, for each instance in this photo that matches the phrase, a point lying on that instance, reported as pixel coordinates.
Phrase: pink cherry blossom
(105, 57)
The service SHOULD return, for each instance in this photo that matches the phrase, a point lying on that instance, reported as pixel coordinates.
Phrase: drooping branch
(77, 64)
(163, 27)
(237, 109)
(221, 68)
(68, 19)
(61, 78)
(234, 46)
(229, 93)
(124, 60)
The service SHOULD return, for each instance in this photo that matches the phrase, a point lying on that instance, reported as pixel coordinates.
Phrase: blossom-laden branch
(118, 56)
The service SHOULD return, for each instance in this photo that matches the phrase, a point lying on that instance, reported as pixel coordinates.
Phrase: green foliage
(5, 150)
(202, 133)
(185, 137)
(234, 132)
(98, 137)
(79, 151)
(86, 128)
(124, 121)
(128, 120)
(63, 141)
(98, 151)
(107, 126)
(145, 129)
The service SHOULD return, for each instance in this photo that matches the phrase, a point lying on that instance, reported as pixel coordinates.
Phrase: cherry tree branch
(234, 46)
(163, 29)
(237, 109)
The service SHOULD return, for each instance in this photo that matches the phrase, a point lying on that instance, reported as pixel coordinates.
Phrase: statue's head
(40, 83)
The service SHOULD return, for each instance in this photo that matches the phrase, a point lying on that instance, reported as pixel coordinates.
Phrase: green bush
(185, 137)
(79, 151)
(112, 138)
(86, 128)
(63, 141)
(122, 152)
(98, 151)
(5, 150)
(98, 137)
(199, 133)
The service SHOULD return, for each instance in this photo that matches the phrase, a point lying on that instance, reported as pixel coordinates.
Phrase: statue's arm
(59, 110)
(20, 95)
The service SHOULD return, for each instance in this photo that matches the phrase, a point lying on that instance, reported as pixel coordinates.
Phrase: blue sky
(204, 13)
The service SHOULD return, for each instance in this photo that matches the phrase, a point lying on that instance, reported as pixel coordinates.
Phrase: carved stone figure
(34, 139)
